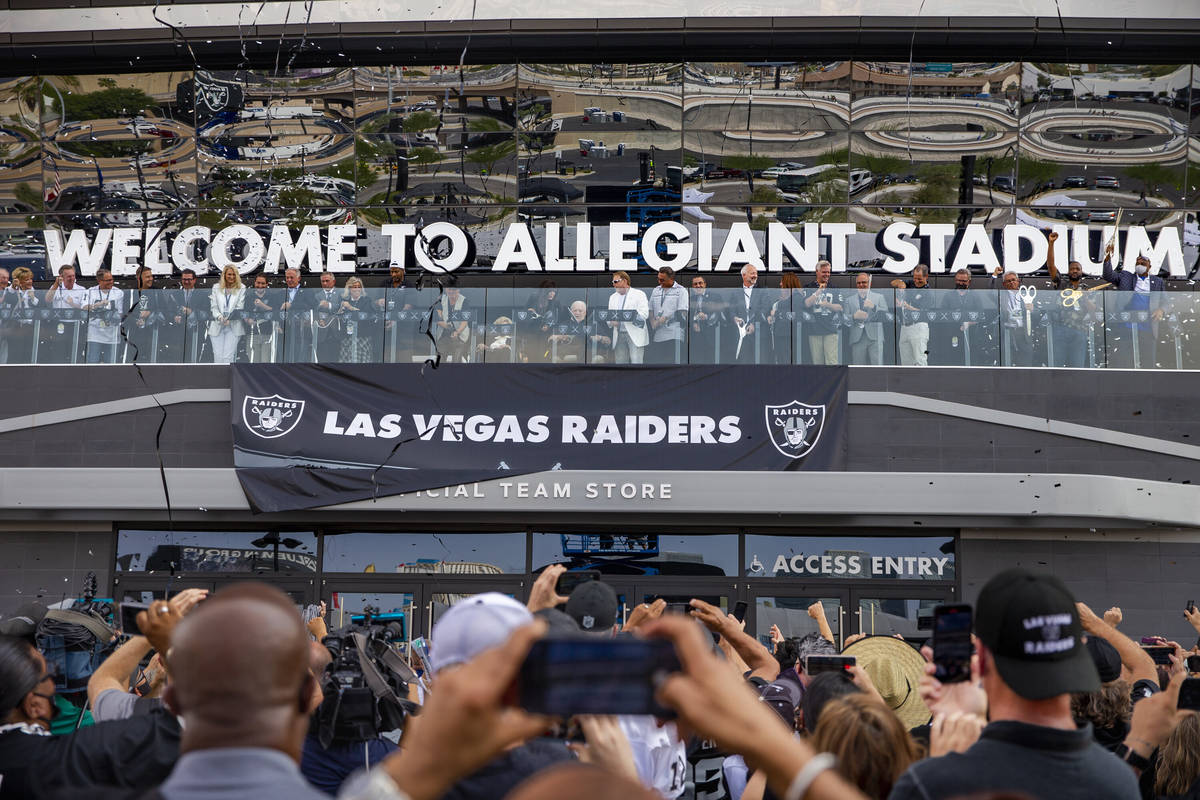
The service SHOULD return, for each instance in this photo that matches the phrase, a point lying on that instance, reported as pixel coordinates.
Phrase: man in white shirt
(629, 337)
(668, 319)
(7, 302)
(105, 305)
(67, 298)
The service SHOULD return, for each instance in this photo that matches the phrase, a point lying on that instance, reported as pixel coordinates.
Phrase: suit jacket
(1126, 280)
(872, 326)
(223, 303)
(634, 300)
(761, 300)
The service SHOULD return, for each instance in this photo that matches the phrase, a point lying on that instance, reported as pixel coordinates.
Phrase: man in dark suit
(188, 321)
(1133, 344)
(296, 328)
(747, 318)
(965, 331)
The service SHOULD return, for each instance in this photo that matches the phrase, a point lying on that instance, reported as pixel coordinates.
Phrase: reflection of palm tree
(31, 93)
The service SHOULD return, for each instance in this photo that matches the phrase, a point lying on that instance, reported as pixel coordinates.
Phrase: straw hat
(896, 669)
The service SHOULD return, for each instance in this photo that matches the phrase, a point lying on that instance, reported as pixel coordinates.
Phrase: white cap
(473, 625)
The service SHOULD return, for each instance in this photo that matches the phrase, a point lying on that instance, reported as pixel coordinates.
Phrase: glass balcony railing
(975, 327)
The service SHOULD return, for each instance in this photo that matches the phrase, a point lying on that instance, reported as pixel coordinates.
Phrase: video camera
(78, 639)
(366, 684)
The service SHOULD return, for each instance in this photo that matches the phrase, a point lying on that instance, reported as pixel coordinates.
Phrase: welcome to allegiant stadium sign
(442, 247)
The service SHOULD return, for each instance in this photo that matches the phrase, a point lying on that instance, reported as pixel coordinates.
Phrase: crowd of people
(813, 322)
(235, 696)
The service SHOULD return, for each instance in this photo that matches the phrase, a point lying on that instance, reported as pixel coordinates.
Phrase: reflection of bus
(860, 179)
(796, 181)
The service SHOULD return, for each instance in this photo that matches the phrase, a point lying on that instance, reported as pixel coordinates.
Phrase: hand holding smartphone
(563, 677)
(952, 643)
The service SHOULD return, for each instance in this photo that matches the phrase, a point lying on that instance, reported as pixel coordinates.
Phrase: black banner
(308, 435)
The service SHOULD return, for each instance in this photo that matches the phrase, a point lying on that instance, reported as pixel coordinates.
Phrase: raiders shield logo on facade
(271, 417)
(795, 428)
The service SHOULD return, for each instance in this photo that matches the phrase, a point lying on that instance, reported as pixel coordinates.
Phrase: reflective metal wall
(488, 145)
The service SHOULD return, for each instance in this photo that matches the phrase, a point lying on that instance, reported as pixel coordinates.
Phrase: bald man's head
(240, 670)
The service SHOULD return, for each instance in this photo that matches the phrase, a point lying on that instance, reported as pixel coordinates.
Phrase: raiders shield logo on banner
(795, 428)
(271, 417)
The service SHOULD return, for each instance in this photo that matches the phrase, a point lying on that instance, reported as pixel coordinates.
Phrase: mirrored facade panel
(1149, 180)
(116, 106)
(933, 167)
(779, 98)
(20, 150)
(602, 99)
(1192, 186)
(970, 96)
(1117, 94)
(400, 99)
(312, 181)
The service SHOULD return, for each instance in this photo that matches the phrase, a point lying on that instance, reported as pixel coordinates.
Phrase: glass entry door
(787, 607)
(889, 612)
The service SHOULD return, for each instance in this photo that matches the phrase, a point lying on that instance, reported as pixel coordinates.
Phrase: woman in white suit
(226, 327)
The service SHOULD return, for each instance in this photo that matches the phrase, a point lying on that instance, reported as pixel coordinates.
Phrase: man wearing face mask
(1133, 344)
(961, 310)
(137, 753)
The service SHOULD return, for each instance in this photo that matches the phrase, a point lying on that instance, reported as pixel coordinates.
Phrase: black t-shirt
(503, 773)
(135, 753)
(1017, 757)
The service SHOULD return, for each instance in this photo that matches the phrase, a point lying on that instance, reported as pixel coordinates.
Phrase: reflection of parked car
(861, 179)
(1075, 182)
(1107, 182)
(1102, 216)
(1072, 214)
(1004, 183)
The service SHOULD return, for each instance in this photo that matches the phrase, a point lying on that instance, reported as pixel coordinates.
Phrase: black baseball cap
(24, 622)
(1030, 624)
(593, 606)
(1105, 657)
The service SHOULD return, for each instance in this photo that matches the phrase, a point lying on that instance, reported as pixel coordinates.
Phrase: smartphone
(1149, 640)
(815, 665)
(952, 643)
(678, 608)
(568, 581)
(1193, 663)
(1191, 606)
(1160, 654)
(129, 612)
(739, 610)
(1189, 694)
(562, 677)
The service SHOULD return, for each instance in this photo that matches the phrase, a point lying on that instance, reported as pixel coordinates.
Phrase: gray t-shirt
(115, 704)
(1017, 757)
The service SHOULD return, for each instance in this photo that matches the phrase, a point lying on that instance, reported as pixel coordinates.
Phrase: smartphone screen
(739, 610)
(815, 665)
(129, 612)
(568, 581)
(562, 677)
(1193, 663)
(678, 608)
(952, 643)
(1160, 654)
(1189, 694)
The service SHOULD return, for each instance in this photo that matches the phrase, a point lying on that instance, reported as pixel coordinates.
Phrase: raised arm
(817, 612)
(760, 661)
(115, 671)
(1139, 663)
(1050, 265)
